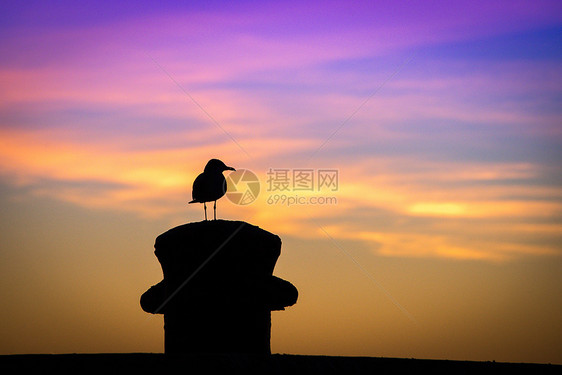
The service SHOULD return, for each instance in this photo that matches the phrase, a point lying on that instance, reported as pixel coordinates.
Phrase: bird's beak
(230, 169)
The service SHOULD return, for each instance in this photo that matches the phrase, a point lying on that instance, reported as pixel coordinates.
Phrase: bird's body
(210, 185)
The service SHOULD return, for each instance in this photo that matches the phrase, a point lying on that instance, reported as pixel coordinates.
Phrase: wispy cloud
(157, 183)
(88, 118)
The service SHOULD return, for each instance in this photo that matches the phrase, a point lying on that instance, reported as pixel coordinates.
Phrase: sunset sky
(443, 238)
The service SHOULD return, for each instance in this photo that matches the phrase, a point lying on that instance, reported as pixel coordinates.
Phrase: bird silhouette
(210, 185)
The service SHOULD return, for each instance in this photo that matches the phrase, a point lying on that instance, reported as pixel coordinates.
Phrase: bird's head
(215, 165)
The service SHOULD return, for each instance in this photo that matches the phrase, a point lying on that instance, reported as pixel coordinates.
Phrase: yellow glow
(157, 183)
(486, 209)
(452, 209)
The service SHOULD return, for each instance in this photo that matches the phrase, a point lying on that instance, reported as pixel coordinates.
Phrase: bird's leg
(215, 210)
(205, 207)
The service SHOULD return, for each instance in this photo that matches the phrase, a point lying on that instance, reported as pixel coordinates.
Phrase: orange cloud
(156, 183)
(27, 157)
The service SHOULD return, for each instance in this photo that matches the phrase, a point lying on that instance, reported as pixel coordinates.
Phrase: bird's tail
(193, 201)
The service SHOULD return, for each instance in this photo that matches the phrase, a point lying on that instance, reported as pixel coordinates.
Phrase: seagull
(210, 185)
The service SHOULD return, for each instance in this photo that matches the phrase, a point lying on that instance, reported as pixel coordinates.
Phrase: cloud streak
(89, 118)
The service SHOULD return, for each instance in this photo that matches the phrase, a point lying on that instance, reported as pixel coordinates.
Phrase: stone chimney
(218, 289)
